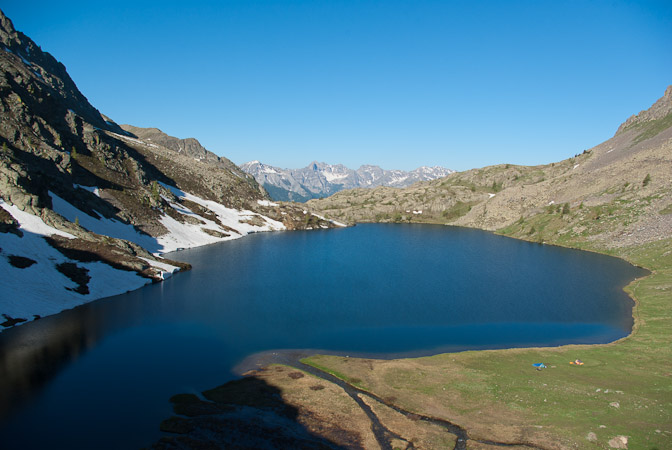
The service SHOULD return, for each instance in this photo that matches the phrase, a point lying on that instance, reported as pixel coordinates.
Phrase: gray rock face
(322, 180)
(659, 110)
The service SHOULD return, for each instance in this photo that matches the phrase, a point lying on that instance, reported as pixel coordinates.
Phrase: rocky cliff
(322, 180)
(87, 206)
(658, 112)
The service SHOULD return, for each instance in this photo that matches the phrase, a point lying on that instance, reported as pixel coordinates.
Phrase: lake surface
(100, 376)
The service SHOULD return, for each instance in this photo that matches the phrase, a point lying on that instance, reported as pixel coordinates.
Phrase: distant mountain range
(319, 180)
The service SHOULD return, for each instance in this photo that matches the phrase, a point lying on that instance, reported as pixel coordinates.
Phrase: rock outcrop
(659, 110)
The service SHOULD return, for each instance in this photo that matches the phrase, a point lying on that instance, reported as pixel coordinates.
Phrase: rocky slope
(86, 206)
(618, 193)
(322, 180)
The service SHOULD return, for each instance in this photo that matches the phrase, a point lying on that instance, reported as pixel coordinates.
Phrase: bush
(647, 180)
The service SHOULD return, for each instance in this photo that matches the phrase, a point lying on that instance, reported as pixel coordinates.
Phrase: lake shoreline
(298, 358)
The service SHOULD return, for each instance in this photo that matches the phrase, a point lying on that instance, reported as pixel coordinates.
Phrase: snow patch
(183, 235)
(52, 292)
(331, 177)
(48, 293)
(31, 223)
(165, 270)
(136, 141)
(338, 224)
(107, 227)
(93, 189)
(266, 203)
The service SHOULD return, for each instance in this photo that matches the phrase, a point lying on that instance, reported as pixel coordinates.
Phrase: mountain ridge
(319, 179)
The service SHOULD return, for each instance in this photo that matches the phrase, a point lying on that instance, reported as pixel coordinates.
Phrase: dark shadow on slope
(43, 176)
(246, 414)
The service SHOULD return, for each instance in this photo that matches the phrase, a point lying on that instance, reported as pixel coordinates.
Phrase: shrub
(156, 198)
(647, 180)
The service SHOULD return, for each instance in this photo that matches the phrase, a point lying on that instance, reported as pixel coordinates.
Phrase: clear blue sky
(400, 84)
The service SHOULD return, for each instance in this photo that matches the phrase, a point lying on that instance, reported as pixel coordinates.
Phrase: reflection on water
(108, 368)
(32, 354)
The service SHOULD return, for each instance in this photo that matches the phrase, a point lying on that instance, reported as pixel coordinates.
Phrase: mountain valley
(89, 208)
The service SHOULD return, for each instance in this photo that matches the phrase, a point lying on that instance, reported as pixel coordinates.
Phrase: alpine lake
(100, 375)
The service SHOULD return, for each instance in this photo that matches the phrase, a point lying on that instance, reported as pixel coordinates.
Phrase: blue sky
(399, 84)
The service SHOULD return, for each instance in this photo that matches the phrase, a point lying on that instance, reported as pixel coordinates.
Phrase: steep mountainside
(618, 193)
(188, 147)
(86, 207)
(322, 180)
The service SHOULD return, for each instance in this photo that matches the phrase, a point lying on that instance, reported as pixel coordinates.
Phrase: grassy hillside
(616, 194)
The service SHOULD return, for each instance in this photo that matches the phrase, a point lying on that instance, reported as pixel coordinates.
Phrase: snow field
(48, 291)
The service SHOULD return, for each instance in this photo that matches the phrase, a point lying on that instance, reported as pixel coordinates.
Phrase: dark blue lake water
(100, 376)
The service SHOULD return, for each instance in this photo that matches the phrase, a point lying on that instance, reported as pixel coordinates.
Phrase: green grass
(624, 388)
(351, 380)
(458, 210)
(653, 128)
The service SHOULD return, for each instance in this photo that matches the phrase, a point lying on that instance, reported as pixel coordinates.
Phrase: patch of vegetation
(20, 262)
(458, 210)
(156, 197)
(653, 128)
(177, 425)
(646, 180)
(382, 217)
(79, 275)
(354, 381)
(184, 399)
